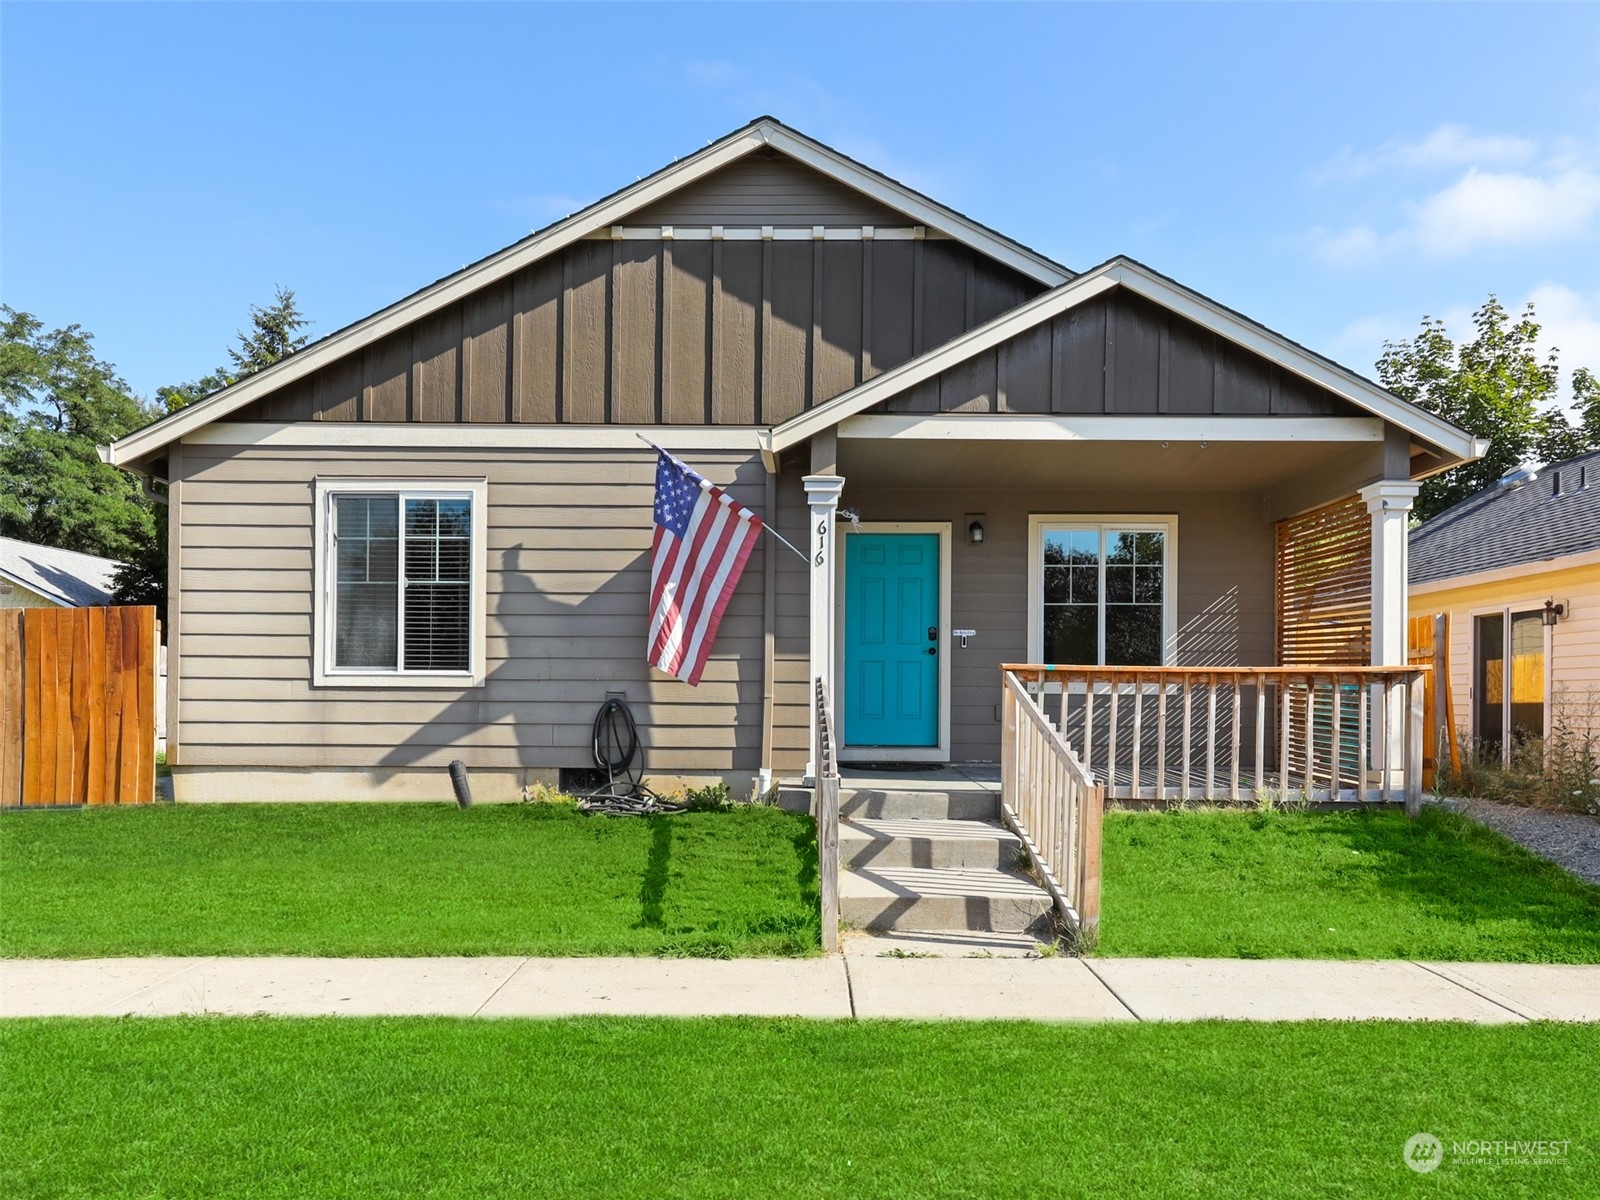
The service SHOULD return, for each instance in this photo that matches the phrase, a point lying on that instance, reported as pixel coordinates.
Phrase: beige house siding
(1224, 580)
(1572, 648)
(568, 571)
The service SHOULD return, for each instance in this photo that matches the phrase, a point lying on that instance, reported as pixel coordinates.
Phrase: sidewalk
(858, 985)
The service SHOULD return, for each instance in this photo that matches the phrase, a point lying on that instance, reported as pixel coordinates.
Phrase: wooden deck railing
(1340, 733)
(827, 814)
(1054, 805)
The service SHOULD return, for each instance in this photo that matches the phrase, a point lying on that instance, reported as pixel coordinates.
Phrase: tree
(1494, 387)
(57, 403)
(274, 334)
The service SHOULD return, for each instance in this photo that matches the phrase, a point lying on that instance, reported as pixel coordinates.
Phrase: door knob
(933, 649)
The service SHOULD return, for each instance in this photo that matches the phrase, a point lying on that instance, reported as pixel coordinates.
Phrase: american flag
(702, 540)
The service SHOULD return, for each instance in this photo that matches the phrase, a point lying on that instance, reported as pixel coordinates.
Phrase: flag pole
(768, 528)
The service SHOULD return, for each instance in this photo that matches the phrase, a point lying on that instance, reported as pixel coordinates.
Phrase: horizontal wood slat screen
(1324, 586)
(78, 714)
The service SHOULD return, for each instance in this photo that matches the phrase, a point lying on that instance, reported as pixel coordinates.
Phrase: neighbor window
(1101, 591)
(401, 582)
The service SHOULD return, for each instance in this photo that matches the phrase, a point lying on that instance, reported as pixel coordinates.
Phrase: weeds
(1561, 771)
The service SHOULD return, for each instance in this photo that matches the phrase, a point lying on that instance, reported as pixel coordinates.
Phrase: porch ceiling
(1178, 466)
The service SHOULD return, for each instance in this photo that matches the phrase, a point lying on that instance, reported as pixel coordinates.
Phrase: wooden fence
(77, 706)
(1429, 646)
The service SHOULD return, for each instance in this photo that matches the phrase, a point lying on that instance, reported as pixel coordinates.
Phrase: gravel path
(1571, 840)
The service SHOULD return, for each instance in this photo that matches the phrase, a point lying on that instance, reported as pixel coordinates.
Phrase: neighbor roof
(1553, 515)
(65, 576)
(762, 132)
(1124, 272)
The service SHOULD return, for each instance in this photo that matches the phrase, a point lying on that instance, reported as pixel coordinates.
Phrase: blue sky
(1333, 171)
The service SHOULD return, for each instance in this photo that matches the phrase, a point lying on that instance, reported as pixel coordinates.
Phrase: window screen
(402, 590)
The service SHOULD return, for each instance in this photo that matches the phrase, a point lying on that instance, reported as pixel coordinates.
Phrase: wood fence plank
(94, 712)
(113, 713)
(41, 627)
(32, 711)
(62, 637)
(11, 707)
(78, 622)
(145, 622)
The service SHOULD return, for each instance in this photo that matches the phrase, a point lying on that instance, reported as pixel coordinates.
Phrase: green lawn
(404, 879)
(1336, 885)
(338, 1107)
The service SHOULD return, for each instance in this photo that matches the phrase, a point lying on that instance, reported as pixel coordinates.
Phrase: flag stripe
(703, 537)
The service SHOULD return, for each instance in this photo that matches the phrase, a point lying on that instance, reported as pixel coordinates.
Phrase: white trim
(1163, 523)
(1191, 305)
(775, 233)
(597, 216)
(1541, 566)
(941, 752)
(374, 436)
(324, 673)
(1092, 428)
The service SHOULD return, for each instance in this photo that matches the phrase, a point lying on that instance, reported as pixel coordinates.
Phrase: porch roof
(1447, 444)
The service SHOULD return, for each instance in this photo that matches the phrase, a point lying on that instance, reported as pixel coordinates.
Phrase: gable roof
(69, 578)
(762, 132)
(1555, 514)
(1136, 277)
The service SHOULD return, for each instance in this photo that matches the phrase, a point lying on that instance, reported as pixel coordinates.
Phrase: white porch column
(1389, 501)
(822, 492)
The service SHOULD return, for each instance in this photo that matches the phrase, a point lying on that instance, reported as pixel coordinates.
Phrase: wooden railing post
(1090, 820)
(1414, 737)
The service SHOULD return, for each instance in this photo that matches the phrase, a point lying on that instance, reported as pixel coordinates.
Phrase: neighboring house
(426, 536)
(43, 577)
(1517, 568)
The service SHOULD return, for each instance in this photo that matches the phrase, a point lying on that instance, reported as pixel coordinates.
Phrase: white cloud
(1485, 209)
(1569, 321)
(1450, 145)
(1354, 247)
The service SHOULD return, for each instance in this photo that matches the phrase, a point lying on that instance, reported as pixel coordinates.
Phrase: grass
(734, 1108)
(405, 879)
(1336, 885)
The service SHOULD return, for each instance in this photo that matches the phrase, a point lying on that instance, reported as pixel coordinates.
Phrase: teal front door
(891, 640)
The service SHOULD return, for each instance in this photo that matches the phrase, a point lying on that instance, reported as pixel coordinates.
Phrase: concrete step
(866, 842)
(941, 899)
(974, 804)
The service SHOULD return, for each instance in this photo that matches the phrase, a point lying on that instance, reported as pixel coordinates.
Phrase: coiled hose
(616, 747)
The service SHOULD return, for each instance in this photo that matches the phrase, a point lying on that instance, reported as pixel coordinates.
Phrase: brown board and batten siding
(1120, 354)
(568, 572)
(644, 329)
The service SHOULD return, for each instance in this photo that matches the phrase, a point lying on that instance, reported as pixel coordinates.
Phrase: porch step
(870, 843)
(875, 803)
(942, 899)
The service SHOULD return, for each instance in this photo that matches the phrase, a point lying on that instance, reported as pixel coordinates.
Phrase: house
(425, 537)
(1517, 570)
(44, 577)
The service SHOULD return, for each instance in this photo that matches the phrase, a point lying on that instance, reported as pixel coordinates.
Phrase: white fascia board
(1523, 570)
(597, 217)
(926, 212)
(1122, 273)
(1301, 362)
(1152, 427)
(959, 349)
(374, 436)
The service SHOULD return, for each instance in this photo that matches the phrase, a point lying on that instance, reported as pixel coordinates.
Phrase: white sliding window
(1101, 590)
(400, 582)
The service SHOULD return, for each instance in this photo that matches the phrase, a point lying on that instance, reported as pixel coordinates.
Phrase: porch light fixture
(1552, 612)
(974, 530)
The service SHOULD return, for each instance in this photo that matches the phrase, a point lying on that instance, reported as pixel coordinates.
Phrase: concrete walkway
(899, 983)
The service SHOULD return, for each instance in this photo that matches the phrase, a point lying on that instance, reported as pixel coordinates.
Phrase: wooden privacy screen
(1323, 584)
(1323, 578)
(78, 712)
(1428, 645)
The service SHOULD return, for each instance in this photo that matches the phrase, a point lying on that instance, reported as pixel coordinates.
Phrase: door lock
(933, 633)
